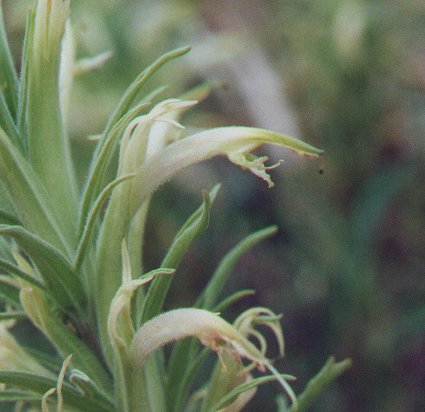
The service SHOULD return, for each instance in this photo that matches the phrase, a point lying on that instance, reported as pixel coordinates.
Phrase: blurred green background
(347, 267)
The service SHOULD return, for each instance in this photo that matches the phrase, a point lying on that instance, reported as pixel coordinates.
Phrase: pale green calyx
(50, 23)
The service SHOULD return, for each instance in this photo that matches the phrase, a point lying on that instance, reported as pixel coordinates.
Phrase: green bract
(72, 262)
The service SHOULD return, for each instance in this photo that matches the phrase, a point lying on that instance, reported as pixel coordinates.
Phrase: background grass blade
(134, 89)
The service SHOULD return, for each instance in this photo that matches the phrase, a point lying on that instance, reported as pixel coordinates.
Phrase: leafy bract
(62, 283)
(46, 131)
(195, 225)
(329, 372)
(31, 202)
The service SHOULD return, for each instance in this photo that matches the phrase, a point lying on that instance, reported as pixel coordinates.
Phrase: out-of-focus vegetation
(347, 269)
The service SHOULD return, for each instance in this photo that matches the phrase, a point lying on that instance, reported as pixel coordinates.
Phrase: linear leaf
(28, 195)
(23, 81)
(41, 384)
(329, 372)
(61, 283)
(209, 295)
(133, 90)
(8, 395)
(230, 300)
(14, 270)
(245, 387)
(196, 224)
(7, 122)
(87, 386)
(85, 237)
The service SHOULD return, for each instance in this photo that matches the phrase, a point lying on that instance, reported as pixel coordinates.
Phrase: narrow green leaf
(101, 160)
(14, 270)
(232, 395)
(282, 404)
(23, 81)
(196, 224)
(194, 219)
(8, 395)
(41, 384)
(330, 371)
(133, 90)
(209, 295)
(31, 202)
(85, 237)
(230, 300)
(8, 77)
(61, 283)
(7, 122)
(87, 386)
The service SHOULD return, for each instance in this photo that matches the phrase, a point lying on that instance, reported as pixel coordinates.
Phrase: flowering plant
(72, 258)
